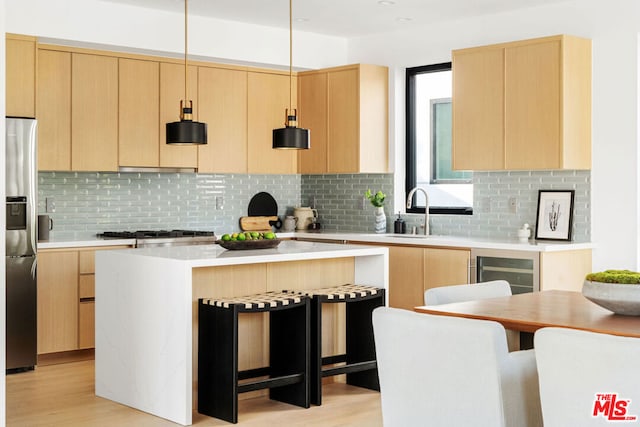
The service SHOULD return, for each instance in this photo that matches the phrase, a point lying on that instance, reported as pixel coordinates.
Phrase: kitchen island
(146, 311)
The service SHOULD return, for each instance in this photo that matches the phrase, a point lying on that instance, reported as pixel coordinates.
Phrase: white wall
(2, 221)
(613, 27)
(106, 23)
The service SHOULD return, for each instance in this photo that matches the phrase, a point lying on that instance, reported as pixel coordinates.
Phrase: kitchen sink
(409, 236)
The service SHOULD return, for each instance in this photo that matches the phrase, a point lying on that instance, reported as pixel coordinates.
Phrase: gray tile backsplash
(92, 202)
(339, 202)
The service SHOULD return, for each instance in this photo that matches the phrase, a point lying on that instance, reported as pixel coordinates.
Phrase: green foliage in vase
(376, 199)
(615, 276)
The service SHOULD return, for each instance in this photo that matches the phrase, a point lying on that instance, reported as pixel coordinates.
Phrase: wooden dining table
(532, 311)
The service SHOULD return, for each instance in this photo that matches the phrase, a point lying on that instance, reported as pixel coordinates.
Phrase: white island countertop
(288, 250)
(146, 312)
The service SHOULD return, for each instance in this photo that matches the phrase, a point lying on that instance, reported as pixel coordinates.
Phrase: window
(428, 161)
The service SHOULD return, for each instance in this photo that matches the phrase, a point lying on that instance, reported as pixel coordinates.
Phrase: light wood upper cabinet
(541, 119)
(171, 92)
(355, 119)
(20, 56)
(312, 115)
(138, 113)
(268, 97)
(57, 301)
(222, 94)
(94, 112)
(54, 110)
(478, 110)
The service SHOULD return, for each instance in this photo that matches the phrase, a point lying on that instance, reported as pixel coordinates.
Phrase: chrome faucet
(426, 207)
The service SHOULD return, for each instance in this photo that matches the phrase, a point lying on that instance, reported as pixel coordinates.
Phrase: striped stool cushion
(258, 302)
(346, 292)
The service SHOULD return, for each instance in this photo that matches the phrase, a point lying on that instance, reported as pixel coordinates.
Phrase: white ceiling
(342, 18)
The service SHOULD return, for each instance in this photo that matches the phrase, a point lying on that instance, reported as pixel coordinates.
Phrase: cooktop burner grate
(155, 234)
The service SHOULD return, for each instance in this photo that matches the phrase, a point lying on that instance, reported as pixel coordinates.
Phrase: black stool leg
(289, 353)
(218, 362)
(316, 350)
(360, 342)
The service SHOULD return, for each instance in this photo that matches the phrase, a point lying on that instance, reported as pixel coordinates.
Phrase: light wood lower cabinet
(57, 301)
(66, 299)
(412, 270)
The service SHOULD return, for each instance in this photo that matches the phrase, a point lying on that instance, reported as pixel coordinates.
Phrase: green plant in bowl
(614, 290)
(627, 277)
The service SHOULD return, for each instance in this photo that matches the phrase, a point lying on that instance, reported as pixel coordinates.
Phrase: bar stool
(360, 358)
(288, 370)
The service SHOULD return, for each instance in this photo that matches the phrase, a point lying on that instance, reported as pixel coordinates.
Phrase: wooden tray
(240, 245)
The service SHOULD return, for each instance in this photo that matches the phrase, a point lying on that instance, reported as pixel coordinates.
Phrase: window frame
(410, 139)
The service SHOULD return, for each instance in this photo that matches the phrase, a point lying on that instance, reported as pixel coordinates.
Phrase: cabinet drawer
(86, 325)
(87, 262)
(87, 286)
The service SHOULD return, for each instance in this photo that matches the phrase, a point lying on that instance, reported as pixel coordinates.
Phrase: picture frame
(554, 220)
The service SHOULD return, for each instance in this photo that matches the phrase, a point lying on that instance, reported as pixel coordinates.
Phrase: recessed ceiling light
(386, 2)
(402, 19)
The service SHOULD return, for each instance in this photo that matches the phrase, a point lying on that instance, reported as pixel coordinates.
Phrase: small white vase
(380, 221)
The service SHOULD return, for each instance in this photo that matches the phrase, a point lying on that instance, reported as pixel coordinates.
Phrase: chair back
(444, 371)
(587, 378)
(460, 293)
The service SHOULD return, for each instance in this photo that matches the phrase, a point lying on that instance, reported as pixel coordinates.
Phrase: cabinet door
(312, 112)
(533, 105)
(268, 98)
(94, 113)
(171, 92)
(138, 113)
(57, 301)
(223, 106)
(54, 110)
(343, 152)
(478, 109)
(406, 277)
(445, 267)
(373, 122)
(86, 324)
(20, 77)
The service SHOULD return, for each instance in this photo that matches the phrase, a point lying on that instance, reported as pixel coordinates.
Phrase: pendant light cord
(290, 55)
(185, 52)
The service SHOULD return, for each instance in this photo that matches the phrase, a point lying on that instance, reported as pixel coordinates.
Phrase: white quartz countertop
(287, 250)
(82, 242)
(397, 239)
(512, 244)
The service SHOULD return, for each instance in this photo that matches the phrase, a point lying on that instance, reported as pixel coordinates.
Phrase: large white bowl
(619, 298)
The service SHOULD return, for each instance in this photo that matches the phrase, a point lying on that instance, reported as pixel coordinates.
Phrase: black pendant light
(186, 131)
(290, 136)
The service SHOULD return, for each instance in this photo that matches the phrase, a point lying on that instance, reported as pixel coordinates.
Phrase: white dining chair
(459, 293)
(449, 371)
(475, 291)
(587, 378)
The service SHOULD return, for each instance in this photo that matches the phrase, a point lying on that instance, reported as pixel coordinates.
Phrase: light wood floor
(63, 395)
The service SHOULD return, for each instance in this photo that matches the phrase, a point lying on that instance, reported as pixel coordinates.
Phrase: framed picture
(555, 214)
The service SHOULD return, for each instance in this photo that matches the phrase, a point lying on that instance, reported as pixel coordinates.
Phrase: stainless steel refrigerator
(21, 181)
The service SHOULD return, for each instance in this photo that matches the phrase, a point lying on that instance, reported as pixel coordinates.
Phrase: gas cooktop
(155, 234)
